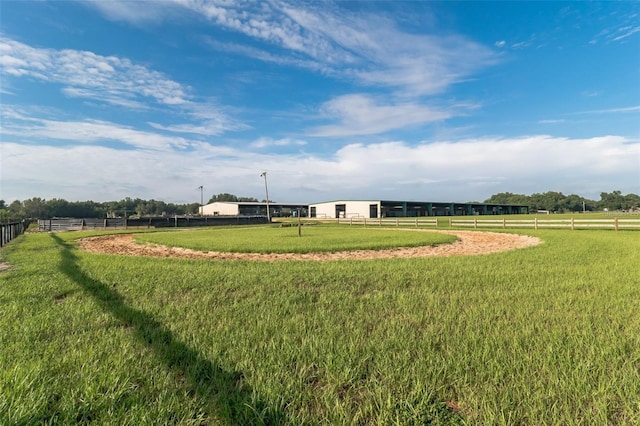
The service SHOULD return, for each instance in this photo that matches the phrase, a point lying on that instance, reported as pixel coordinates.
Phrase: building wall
(220, 209)
(347, 209)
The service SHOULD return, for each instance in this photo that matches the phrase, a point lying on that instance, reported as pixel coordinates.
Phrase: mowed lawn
(538, 336)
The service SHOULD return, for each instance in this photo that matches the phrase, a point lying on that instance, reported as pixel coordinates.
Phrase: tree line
(38, 208)
(558, 202)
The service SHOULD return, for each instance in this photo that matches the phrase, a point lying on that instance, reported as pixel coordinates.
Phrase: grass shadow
(233, 400)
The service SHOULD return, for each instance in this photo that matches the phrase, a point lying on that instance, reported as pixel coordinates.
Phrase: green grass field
(539, 336)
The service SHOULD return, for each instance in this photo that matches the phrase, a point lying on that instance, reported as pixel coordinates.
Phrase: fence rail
(9, 231)
(571, 223)
(146, 222)
(614, 223)
(396, 221)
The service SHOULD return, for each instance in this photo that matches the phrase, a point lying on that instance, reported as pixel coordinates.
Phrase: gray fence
(146, 222)
(9, 231)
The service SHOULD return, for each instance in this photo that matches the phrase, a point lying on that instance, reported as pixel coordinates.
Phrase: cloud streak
(87, 132)
(362, 115)
(88, 75)
(470, 169)
(114, 81)
(366, 49)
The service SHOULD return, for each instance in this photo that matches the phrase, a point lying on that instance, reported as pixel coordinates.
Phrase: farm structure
(228, 208)
(360, 209)
(387, 208)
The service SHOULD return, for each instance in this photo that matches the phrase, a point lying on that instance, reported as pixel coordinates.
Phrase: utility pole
(266, 190)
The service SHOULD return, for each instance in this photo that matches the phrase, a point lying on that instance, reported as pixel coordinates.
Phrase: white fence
(614, 223)
(390, 221)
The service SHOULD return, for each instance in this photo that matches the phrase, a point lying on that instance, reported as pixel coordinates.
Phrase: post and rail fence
(390, 221)
(613, 223)
(9, 231)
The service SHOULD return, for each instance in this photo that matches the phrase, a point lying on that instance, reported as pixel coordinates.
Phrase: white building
(369, 209)
(249, 208)
(345, 209)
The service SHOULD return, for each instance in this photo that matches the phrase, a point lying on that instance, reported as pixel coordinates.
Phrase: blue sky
(440, 101)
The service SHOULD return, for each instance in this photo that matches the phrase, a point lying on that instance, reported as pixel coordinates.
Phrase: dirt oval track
(468, 243)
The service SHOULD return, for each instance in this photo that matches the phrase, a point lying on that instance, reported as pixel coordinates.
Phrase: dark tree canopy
(558, 202)
(230, 197)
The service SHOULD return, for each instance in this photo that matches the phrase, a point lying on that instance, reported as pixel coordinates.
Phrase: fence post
(475, 223)
(397, 222)
(350, 221)
(416, 222)
(572, 224)
(535, 223)
(504, 223)
(615, 223)
(450, 222)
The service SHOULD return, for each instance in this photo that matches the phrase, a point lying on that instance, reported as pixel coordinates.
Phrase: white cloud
(85, 132)
(626, 32)
(117, 82)
(464, 170)
(88, 75)
(500, 43)
(552, 121)
(136, 12)
(367, 49)
(621, 110)
(266, 142)
(590, 93)
(360, 114)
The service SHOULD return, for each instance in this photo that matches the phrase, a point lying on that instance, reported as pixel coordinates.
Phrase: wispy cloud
(625, 32)
(363, 115)
(552, 121)
(266, 142)
(367, 49)
(44, 131)
(87, 75)
(623, 110)
(114, 81)
(590, 93)
(370, 51)
(137, 12)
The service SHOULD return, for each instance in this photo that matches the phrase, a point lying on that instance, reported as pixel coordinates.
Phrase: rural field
(541, 335)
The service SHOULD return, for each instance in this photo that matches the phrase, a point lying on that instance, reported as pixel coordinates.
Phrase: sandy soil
(468, 243)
